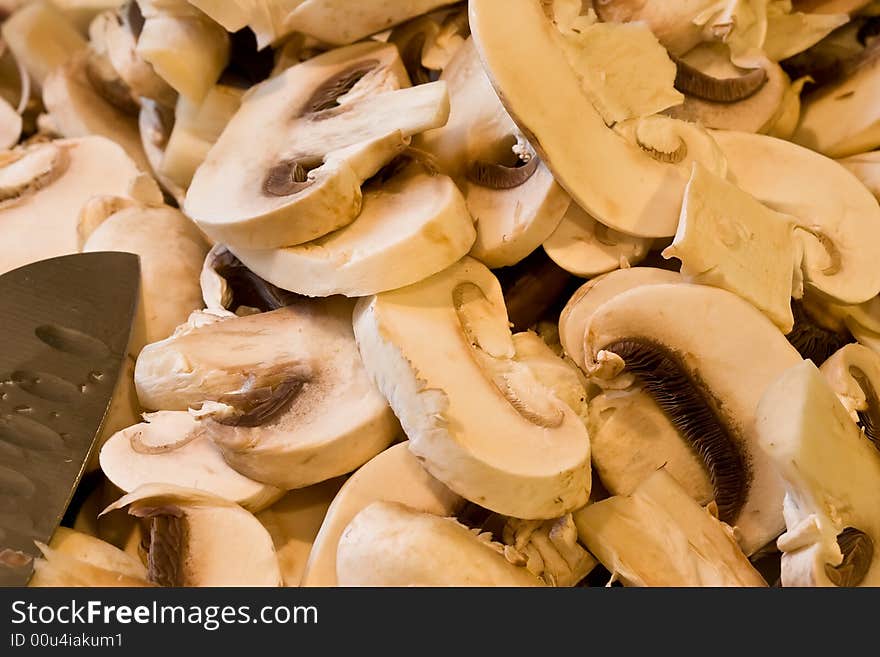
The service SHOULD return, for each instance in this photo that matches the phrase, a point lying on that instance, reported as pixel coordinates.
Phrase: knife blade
(65, 325)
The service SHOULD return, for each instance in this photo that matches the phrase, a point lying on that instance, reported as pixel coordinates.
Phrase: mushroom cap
(395, 475)
(388, 544)
(169, 449)
(824, 198)
(209, 542)
(297, 176)
(659, 536)
(721, 327)
(593, 163)
(832, 476)
(60, 177)
(417, 220)
(481, 422)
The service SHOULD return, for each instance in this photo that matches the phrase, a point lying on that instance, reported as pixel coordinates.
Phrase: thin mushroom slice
(43, 187)
(416, 219)
(324, 127)
(853, 373)
(659, 536)
(832, 478)
(479, 420)
(790, 33)
(388, 544)
(198, 539)
(10, 125)
(698, 84)
(395, 475)
(268, 389)
(838, 218)
(228, 285)
(593, 163)
(865, 167)
(696, 372)
(584, 247)
(168, 448)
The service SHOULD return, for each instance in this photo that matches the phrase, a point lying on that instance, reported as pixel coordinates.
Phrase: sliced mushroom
(791, 33)
(270, 388)
(82, 12)
(832, 476)
(231, 15)
(228, 285)
(197, 539)
(584, 247)
(853, 373)
(169, 448)
(593, 163)
(479, 420)
(831, 6)
(428, 43)
(294, 522)
(117, 529)
(838, 219)
(395, 475)
(78, 109)
(10, 125)
(533, 290)
(43, 186)
(41, 38)
(820, 329)
(865, 167)
(171, 252)
(323, 128)
(388, 544)
(416, 219)
(659, 536)
(728, 239)
(696, 372)
(155, 123)
(76, 559)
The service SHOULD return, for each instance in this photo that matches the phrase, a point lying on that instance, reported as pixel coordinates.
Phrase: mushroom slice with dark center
(198, 539)
(853, 373)
(816, 335)
(696, 372)
(832, 482)
(694, 82)
(227, 284)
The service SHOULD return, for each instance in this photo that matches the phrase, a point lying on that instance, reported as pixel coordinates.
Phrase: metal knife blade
(65, 324)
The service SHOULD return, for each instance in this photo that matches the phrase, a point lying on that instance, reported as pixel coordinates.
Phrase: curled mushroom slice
(324, 127)
(853, 373)
(416, 219)
(168, 448)
(702, 85)
(228, 285)
(78, 109)
(838, 218)
(270, 388)
(456, 409)
(171, 251)
(592, 162)
(43, 187)
(659, 536)
(832, 476)
(584, 247)
(703, 384)
(395, 475)
(793, 32)
(198, 539)
(388, 544)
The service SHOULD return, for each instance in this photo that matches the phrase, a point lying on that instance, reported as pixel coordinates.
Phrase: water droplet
(96, 376)
(83, 388)
(23, 408)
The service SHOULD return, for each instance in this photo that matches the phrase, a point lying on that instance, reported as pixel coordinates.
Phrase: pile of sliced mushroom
(486, 293)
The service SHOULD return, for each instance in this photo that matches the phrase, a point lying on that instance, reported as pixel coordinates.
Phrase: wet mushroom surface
(528, 293)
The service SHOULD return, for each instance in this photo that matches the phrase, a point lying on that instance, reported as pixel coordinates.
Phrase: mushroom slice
(233, 16)
(790, 33)
(727, 239)
(41, 38)
(839, 118)
(228, 285)
(428, 43)
(186, 48)
(480, 420)
(294, 522)
(865, 167)
(533, 290)
(839, 219)
(831, 6)
(853, 373)
(415, 219)
(395, 475)
(273, 385)
(169, 449)
(593, 163)
(388, 544)
(832, 475)
(10, 125)
(43, 187)
(696, 372)
(198, 539)
(584, 247)
(591, 295)
(155, 123)
(659, 536)
(338, 22)
(76, 559)
(83, 12)
(79, 110)
(323, 127)
(171, 252)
